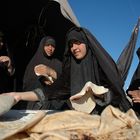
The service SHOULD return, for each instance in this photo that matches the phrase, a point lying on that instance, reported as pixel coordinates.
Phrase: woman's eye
(74, 42)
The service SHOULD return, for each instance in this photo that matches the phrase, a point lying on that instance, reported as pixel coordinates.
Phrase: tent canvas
(126, 57)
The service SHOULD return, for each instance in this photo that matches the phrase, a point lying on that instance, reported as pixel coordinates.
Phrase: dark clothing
(135, 83)
(125, 59)
(55, 96)
(31, 81)
(6, 83)
(97, 66)
(6, 79)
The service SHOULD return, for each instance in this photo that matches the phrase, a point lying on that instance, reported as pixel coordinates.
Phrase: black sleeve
(135, 81)
(60, 89)
(134, 85)
(40, 94)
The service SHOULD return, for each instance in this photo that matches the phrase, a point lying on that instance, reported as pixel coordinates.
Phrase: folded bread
(47, 72)
(84, 101)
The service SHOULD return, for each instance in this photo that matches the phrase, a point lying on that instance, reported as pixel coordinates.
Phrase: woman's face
(78, 49)
(49, 49)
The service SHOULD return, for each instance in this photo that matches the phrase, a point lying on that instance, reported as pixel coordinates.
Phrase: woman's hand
(49, 73)
(135, 94)
(6, 60)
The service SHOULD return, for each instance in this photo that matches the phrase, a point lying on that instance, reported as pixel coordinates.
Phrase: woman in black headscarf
(6, 66)
(134, 87)
(43, 58)
(96, 66)
(31, 80)
(89, 62)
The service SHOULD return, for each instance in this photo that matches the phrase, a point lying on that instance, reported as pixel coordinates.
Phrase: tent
(126, 57)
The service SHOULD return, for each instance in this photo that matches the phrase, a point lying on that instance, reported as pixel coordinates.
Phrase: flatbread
(84, 101)
(16, 121)
(40, 72)
(6, 103)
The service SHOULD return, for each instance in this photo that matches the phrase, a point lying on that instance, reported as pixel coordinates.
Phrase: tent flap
(125, 59)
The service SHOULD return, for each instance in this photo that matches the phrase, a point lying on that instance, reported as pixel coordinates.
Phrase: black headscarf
(30, 80)
(4, 48)
(97, 67)
(84, 67)
(135, 82)
(6, 80)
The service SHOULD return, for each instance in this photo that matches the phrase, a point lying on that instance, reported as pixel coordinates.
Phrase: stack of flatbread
(112, 124)
(16, 121)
